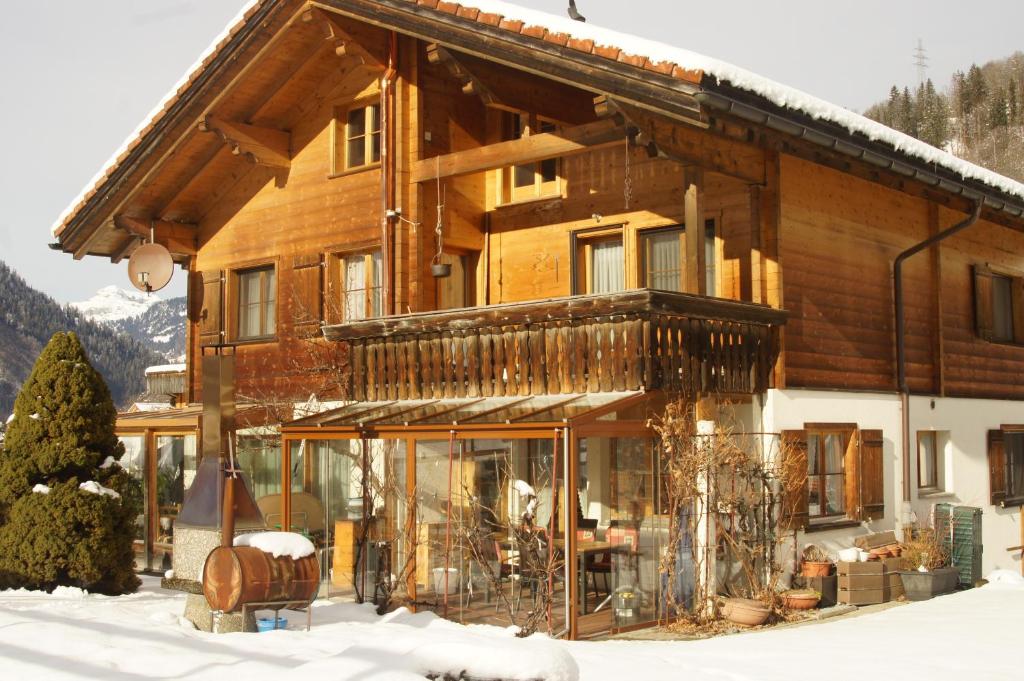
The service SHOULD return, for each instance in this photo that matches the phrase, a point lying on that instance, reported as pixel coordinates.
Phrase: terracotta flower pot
(801, 600)
(745, 611)
(815, 569)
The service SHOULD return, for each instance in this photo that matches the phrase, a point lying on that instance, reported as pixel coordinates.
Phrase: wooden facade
(243, 171)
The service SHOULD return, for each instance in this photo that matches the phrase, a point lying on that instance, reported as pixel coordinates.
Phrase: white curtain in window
(607, 267)
(249, 308)
(270, 301)
(663, 267)
(376, 297)
(355, 287)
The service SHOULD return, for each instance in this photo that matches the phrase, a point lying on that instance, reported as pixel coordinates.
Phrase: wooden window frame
(933, 484)
(582, 256)
(508, 194)
(848, 433)
(341, 138)
(983, 278)
(235, 302)
(338, 294)
(999, 467)
(644, 252)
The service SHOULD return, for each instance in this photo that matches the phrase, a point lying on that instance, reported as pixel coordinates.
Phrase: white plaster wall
(967, 481)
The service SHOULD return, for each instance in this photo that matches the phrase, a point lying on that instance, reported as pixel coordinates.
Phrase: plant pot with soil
(801, 599)
(921, 586)
(815, 562)
(745, 611)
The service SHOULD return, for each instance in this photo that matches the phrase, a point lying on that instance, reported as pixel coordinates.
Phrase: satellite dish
(150, 267)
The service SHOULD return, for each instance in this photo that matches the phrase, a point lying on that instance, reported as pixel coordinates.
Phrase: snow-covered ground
(70, 635)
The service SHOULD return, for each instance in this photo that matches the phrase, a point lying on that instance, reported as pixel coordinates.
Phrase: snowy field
(70, 635)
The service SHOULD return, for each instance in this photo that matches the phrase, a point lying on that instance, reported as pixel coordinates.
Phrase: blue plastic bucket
(271, 623)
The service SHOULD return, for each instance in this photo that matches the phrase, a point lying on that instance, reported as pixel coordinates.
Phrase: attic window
(357, 138)
(998, 306)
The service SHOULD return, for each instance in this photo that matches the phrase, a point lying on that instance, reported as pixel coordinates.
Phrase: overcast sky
(77, 77)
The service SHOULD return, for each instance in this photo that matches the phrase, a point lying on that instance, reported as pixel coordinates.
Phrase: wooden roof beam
(471, 85)
(180, 238)
(130, 244)
(263, 146)
(345, 45)
(688, 145)
(568, 142)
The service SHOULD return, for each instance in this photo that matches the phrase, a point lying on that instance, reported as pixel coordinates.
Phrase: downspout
(901, 358)
(387, 152)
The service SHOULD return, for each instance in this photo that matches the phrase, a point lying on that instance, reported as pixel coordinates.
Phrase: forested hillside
(29, 318)
(979, 115)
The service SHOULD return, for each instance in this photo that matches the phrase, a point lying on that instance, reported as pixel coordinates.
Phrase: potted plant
(926, 572)
(801, 599)
(745, 611)
(815, 562)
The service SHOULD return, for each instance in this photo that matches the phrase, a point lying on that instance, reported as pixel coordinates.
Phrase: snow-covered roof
(639, 52)
(165, 369)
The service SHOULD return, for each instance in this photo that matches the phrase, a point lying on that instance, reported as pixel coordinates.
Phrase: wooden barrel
(234, 576)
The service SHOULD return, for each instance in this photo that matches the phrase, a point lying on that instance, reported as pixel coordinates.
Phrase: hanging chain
(627, 189)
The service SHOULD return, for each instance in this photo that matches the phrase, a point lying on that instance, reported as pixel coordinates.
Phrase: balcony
(633, 340)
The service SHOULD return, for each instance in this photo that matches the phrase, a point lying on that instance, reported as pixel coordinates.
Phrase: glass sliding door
(134, 462)
(494, 553)
(175, 469)
(620, 534)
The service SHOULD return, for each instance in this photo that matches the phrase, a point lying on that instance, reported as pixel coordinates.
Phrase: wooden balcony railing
(641, 339)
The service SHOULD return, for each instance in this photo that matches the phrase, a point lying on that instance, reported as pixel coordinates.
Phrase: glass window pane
(374, 147)
(926, 461)
(813, 453)
(377, 295)
(356, 123)
(374, 115)
(835, 450)
(607, 267)
(814, 496)
(709, 258)
(664, 260)
(270, 301)
(834, 494)
(356, 152)
(523, 176)
(1014, 444)
(1002, 309)
(549, 170)
(355, 287)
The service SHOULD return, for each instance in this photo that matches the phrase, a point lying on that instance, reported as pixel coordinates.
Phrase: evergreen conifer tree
(67, 510)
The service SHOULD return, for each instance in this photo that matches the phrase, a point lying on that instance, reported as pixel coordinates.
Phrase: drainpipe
(901, 359)
(388, 159)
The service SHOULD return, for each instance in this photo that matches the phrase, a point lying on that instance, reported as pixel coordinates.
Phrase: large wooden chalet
(477, 238)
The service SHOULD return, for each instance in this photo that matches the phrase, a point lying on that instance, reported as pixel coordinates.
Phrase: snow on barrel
(262, 567)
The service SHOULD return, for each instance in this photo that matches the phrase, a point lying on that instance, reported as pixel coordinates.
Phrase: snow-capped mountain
(159, 324)
(112, 304)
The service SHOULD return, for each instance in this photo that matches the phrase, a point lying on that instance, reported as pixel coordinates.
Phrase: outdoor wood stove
(212, 511)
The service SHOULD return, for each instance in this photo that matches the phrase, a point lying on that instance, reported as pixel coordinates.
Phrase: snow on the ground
(73, 635)
(278, 543)
(112, 304)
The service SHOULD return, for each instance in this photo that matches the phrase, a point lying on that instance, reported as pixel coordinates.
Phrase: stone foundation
(197, 611)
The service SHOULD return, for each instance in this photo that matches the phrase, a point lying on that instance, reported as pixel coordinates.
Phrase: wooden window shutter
(996, 468)
(795, 511)
(1017, 292)
(307, 295)
(872, 475)
(983, 314)
(211, 308)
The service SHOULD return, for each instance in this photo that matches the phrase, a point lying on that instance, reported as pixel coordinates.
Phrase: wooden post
(696, 281)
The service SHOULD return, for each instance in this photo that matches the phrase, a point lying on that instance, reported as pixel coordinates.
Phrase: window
(600, 263)
(359, 131)
(710, 258)
(998, 306)
(826, 456)
(531, 180)
(257, 302)
(663, 252)
(1006, 466)
(845, 474)
(361, 285)
(931, 460)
